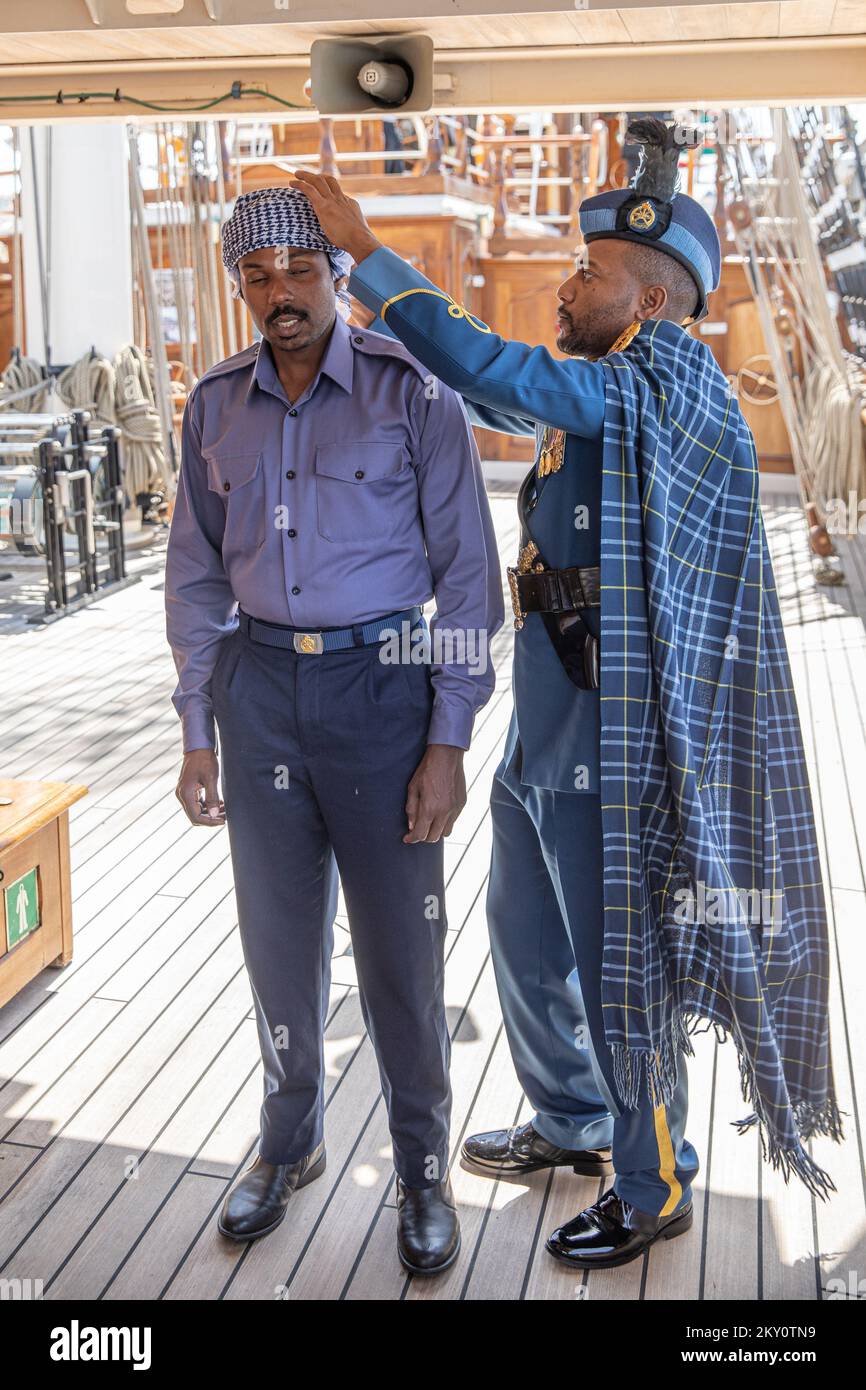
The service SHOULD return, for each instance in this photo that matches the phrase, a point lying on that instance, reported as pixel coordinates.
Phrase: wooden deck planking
(828, 654)
(164, 1244)
(175, 1100)
(143, 1052)
(95, 1095)
(832, 689)
(165, 962)
(731, 1216)
(512, 1210)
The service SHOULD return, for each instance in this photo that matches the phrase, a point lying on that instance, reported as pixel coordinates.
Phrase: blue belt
(333, 639)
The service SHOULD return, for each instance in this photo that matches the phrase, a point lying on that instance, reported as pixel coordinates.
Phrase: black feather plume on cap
(657, 175)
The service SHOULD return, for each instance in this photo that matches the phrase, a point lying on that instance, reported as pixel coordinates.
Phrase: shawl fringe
(635, 1068)
(797, 1160)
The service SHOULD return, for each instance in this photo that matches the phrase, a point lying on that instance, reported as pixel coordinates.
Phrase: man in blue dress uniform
(598, 816)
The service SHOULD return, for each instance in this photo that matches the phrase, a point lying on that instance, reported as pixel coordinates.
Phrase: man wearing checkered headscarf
(325, 496)
(279, 217)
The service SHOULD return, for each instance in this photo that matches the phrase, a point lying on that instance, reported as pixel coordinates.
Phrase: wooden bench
(35, 891)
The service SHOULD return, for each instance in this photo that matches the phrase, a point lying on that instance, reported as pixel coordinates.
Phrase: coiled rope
(116, 393)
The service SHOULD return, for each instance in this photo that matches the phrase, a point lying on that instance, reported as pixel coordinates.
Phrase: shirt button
(295, 589)
(293, 412)
(292, 534)
(359, 341)
(226, 487)
(359, 473)
(290, 474)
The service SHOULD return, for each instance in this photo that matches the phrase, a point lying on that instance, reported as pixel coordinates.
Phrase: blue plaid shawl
(714, 907)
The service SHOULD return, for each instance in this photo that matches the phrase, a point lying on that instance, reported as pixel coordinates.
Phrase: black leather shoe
(428, 1231)
(257, 1203)
(613, 1233)
(509, 1153)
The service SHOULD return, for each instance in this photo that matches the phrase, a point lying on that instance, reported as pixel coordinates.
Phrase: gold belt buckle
(524, 565)
(311, 642)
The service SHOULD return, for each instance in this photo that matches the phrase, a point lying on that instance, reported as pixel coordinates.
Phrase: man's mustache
(286, 310)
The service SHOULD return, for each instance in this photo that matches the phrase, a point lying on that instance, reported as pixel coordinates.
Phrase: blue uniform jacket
(553, 739)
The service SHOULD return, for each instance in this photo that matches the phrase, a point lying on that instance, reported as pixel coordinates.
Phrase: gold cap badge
(642, 217)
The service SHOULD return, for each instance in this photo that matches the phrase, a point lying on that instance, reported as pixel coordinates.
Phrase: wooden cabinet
(35, 893)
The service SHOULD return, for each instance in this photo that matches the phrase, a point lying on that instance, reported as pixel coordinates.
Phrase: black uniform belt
(328, 639)
(558, 591)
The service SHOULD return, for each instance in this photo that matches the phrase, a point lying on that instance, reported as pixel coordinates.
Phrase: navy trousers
(545, 913)
(316, 753)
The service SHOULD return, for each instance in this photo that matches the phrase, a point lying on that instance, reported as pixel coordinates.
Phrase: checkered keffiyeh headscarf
(277, 217)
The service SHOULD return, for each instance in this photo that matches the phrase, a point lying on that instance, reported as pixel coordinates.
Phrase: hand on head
(340, 217)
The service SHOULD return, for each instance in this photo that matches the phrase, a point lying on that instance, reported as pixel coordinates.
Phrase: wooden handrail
(579, 138)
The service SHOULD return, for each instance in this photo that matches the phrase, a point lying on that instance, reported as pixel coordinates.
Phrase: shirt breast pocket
(238, 479)
(363, 489)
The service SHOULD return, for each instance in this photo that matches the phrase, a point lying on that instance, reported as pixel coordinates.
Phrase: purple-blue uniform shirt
(361, 498)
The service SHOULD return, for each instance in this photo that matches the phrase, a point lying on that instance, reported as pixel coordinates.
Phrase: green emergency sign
(22, 907)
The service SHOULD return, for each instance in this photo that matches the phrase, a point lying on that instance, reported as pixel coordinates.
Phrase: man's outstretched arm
(509, 377)
(480, 415)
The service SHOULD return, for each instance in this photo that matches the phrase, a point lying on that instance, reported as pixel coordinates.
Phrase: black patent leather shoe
(257, 1203)
(428, 1231)
(510, 1153)
(613, 1233)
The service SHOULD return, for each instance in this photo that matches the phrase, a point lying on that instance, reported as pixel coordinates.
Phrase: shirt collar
(338, 363)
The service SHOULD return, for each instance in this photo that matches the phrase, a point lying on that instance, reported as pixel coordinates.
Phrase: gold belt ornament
(526, 563)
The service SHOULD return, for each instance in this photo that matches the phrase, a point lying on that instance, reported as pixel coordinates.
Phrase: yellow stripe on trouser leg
(667, 1164)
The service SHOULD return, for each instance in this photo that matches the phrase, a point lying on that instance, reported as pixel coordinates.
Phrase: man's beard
(591, 336)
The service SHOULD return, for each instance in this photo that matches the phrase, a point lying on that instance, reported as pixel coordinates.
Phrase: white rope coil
(116, 393)
(22, 375)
